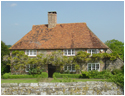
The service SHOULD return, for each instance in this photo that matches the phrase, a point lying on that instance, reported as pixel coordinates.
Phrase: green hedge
(97, 75)
(8, 75)
(59, 75)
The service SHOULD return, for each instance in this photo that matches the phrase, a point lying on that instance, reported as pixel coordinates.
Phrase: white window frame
(91, 66)
(96, 51)
(66, 51)
(31, 51)
(26, 66)
(68, 68)
(29, 67)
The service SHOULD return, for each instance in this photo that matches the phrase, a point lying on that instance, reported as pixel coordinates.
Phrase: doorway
(51, 70)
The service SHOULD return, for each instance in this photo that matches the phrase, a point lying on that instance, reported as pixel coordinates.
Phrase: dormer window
(31, 52)
(93, 51)
(69, 52)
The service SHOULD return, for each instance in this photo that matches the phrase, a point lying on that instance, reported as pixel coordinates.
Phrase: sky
(104, 18)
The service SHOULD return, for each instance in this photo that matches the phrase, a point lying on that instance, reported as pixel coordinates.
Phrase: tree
(18, 61)
(8, 46)
(116, 46)
(4, 51)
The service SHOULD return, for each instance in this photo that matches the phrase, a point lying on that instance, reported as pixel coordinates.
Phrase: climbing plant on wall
(18, 60)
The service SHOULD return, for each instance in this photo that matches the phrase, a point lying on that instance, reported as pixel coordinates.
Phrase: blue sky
(104, 18)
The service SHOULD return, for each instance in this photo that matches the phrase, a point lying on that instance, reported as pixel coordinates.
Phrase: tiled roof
(63, 36)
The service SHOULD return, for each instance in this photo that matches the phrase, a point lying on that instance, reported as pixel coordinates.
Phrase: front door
(51, 70)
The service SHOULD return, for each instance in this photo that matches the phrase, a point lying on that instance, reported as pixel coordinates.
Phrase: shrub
(95, 74)
(118, 79)
(58, 75)
(44, 75)
(6, 75)
(116, 71)
(35, 71)
(22, 76)
(84, 74)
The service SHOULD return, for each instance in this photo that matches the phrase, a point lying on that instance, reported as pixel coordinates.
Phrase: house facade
(69, 38)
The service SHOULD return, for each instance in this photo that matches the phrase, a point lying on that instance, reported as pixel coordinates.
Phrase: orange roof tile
(63, 36)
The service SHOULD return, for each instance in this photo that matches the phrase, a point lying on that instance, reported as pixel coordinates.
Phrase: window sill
(32, 55)
(68, 55)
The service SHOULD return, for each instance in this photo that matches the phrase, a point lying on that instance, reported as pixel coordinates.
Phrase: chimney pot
(52, 19)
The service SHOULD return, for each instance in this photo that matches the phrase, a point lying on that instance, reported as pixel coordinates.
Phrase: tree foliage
(4, 51)
(116, 46)
(18, 60)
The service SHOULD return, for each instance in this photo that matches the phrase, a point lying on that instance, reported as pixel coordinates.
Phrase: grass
(31, 80)
(34, 80)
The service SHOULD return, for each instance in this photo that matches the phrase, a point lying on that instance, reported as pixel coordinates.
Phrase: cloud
(13, 4)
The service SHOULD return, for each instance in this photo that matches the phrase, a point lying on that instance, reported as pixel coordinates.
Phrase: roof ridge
(63, 23)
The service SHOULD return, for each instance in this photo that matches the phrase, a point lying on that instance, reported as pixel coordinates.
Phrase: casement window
(93, 66)
(69, 52)
(31, 52)
(71, 68)
(93, 51)
(29, 66)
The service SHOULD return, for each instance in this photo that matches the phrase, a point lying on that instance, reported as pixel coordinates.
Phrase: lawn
(34, 80)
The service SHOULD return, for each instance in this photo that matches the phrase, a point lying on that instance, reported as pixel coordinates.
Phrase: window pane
(30, 52)
(89, 67)
(97, 66)
(65, 68)
(93, 66)
(35, 52)
(65, 52)
(89, 51)
(34, 66)
(73, 67)
(27, 67)
(97, 51)
(27, 52)
(73, 51)
(69, 67)
(69, 51)
(93, 51)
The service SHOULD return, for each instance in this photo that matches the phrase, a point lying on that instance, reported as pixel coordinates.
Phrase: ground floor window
(29, 66)
(71, 68)
(93, 66)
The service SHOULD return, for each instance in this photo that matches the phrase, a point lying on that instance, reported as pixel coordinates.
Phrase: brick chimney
(52, 19)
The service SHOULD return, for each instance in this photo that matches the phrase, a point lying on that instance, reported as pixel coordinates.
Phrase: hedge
(8, 75)
(59, 75)
(96, 75)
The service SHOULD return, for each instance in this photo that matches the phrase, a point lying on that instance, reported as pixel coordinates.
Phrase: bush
(22, 76)
(118, 79)
(35, 71)
(96, 75)
(44, 75)
(116, 71)
(58, 75)
(6, 75)
(84, 74)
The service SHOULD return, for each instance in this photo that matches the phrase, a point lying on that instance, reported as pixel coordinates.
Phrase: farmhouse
(69, 38)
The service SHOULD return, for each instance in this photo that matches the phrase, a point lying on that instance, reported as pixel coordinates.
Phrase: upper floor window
(31, 52)
(69, 52)
(93, 51)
